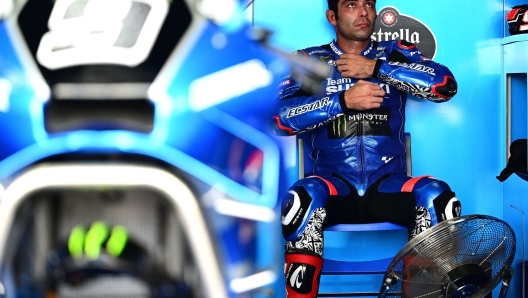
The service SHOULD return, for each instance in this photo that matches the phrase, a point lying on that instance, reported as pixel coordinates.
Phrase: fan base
(465, 291)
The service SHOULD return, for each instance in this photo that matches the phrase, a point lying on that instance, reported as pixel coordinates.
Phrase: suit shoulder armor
(401, 45)
(386, 43)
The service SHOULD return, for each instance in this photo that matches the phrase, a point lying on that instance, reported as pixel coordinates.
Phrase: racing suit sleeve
(411, 72)
(296, 110)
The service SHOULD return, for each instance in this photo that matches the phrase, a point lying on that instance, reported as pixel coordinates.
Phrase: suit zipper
(361, 190)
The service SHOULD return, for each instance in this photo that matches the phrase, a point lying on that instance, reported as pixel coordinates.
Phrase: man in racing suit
(354, 127)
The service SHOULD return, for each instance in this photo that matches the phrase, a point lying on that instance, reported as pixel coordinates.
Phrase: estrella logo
(392, 25)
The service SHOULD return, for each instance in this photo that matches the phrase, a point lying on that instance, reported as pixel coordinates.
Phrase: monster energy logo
(325, 58)
(337, 125)
(374, 123)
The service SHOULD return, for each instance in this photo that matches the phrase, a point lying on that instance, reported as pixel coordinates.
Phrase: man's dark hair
(332, 5)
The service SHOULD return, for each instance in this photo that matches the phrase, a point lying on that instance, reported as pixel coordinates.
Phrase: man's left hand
(355, 66)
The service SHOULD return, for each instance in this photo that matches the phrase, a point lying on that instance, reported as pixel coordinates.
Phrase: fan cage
(425, 266)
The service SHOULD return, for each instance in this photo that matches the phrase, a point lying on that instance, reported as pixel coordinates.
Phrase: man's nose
(363, 12)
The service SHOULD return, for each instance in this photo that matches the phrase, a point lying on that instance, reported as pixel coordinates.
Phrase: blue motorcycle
(136, 159)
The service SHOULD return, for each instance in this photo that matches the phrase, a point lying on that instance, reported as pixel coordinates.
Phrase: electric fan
(463, 257)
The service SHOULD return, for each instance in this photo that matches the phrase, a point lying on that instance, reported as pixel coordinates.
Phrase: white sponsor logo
(339, 52)
(402, 34)
(331, 82)
(286, 220)
(333, 86)
(385, 158)
(317, 52)
(335, 49)
(284, 83)
(368, 116)
(415, 66)
(368, 50)
(309, 107)
(385, 87)
(294, 279)
(449, 209)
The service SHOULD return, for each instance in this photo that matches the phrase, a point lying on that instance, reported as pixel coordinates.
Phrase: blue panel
(518, 106)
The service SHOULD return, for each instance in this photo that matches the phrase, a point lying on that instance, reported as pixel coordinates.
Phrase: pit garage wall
(463, 141)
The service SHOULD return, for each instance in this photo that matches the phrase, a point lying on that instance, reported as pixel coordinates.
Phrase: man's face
(355, 19)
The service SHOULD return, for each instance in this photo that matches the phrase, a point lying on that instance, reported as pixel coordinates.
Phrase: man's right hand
(363, 96)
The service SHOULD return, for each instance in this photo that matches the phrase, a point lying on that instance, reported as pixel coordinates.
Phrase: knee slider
(302, 199)
(447, 206)
(437, 197)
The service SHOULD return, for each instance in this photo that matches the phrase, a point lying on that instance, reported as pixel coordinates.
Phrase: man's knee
(447, 206)
(438, 199)
(304, 203)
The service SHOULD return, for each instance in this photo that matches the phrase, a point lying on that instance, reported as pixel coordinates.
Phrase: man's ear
(331, 17)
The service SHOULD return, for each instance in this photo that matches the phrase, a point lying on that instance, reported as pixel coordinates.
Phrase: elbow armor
(409, 71)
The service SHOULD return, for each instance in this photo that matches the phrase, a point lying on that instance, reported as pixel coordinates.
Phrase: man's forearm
(429, 80)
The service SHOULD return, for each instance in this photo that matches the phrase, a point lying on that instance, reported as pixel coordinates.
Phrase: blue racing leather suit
(362, 146)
